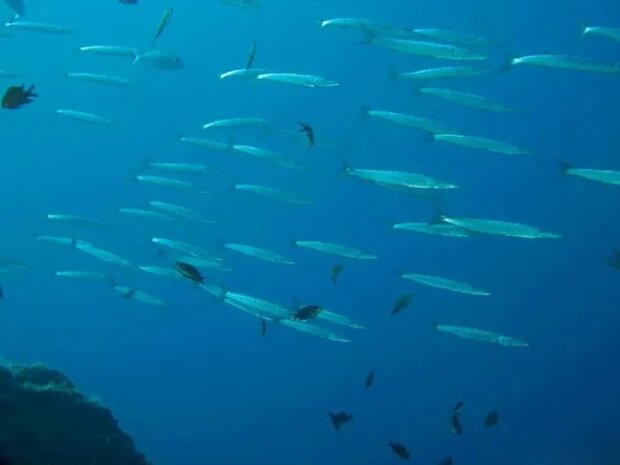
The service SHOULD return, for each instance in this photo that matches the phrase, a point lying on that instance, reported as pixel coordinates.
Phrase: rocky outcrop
(44, 420)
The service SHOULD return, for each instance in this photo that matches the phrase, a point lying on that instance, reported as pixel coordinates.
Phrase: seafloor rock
(45, 421)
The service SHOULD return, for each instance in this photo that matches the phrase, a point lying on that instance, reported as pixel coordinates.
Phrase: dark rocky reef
(45, 421)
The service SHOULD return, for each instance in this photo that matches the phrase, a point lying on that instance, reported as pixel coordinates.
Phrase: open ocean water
(194, 382)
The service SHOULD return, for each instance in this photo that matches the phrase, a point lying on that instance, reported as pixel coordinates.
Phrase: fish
(481, 143)
(251, 56)
(445, 35)
(145, 214)
(612, 33)
(85, 117)
(236, 123)
(401, 303)
(245, 73)
(17, 6)
(295, 79)
(163, 23)
(170, 183)
(340, 418)
(179, 211)
(263, 327)
(367, 25)
(455, 424)
(129, 2)
(206, 144)
(102, 79)
(7, 263)
(425, 48)
(38, 27)
(456, 408)
(17, 96)
(74, 220)
(271, 192)
(438, 229)
(335, 272)
(58, 240)
(602, 176)
(132, 293)
(191, 168)
(88, 275)
(401, 180)
(568, 63)
(444, 283)
(103, 255)
(307, 129)
(161, 59)
(260, 253)
(403, 119)
(499, 228)
(335, 249)
(252, 4)
(491, 419)
(481, 335)
(110, 50)
(370, 379)
(400, 450)
(467, 99)
(190, 272)
(189, 249)
(306, 312)
(442, 72)
(1, 294)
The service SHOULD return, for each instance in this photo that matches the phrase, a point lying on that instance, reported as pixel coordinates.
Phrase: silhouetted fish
(339, 418)
(263, 327)
(309, 133)
(491, 419)
(251, 56)
(190, 272)
(306, 313)
(401, 303)
(399, 450)
(455, 424)
(370, 378)
(16, 96)
(336, 270)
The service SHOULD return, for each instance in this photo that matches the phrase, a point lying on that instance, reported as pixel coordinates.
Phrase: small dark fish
(163, 22)
(263, 327)
(456, 408)
(336, 270)
(16, 96)
(129, 2)
(399, 450)
(370, 378)
(309, 133)
(491, 419)
(17, 6)
(190, 272)
(446, 461)
(401, 303)
(251, 56)
(339, 419)
(455, 424)
(306, 313)
(1, 293)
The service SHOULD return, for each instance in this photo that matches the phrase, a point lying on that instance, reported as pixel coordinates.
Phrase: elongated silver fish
(258, 252)
(61, 241)
(455, 37)
(443, 72)
(302, 80)
(209, 263)
(467, 99)
(426, 48)
(74, 220)
(252, 4)
(481, 143)
(163, 23)
(110, 50)
(145, 214)
(140, 296)
(440, 229)
(161, 59)
(84, 117)
(604, 176)
(568, 62)
(86, 275)
(612, 33)
(444, 283)
(481, 335)
(170, 183)
(103, 255)
(237, 123)
(182, 247)
(397, 179)
(102, 79)
(160, 271)
(403, 119)
(38, 27)
(244, 73)
(272, 193)
(191, 168)
(206, 144)
(179, 211)
(364, 25)
(335, 249)
(499, 228)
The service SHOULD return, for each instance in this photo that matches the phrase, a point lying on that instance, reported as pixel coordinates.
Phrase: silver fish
(612, 33)
(568, 62)
(102, 79)
(192, 168)
(38, 27)
(74, 220)
(237, 123)
(447, 230)
(244, 73)
(398, 179)
(467, 99)
(260, 253)
(426, 48)
(442, 72)
(170, 183)
(272, 193)
(161, 59)
(101, 254)
(179, 211)
(604, 176)
(445, 35)
(110, 50)
(84, 117)
(481, 335)
(302, 80)
(403, 119)
(499, 228)
(444, 283)
(159, 271)
(145, 214)
(140, 296)
(335, 249)
(58, 240)
(182, 247)
(206, 144)
(481, 143)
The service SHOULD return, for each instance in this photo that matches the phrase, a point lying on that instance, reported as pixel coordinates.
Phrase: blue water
(194, 383)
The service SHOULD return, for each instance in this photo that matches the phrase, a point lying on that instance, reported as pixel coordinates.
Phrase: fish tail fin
(583, 28)
(564, 167)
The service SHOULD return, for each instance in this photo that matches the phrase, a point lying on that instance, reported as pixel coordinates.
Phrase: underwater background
(194, 382)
